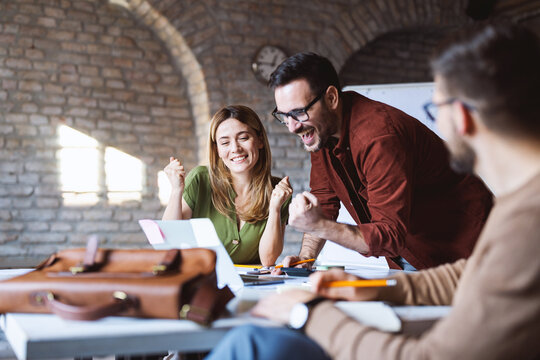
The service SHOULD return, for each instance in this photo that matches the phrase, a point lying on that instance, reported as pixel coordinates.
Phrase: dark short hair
(496, 69)
(317, 70)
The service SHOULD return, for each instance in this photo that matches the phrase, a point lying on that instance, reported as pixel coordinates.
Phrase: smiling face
(322, 123)
(238, 146)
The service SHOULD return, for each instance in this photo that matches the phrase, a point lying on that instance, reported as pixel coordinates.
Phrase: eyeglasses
(299, 115)
(431, 108)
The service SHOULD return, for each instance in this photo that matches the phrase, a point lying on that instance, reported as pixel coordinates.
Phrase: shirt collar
(342, 144)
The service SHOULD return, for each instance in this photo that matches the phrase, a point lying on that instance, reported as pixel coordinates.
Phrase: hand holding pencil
(337, 284)
(307, 261)
(293, 261)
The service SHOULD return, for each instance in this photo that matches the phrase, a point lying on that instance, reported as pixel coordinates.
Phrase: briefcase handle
(171, 260)
(119, 303)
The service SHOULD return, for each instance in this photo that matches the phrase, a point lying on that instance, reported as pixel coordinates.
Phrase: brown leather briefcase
(88, 284)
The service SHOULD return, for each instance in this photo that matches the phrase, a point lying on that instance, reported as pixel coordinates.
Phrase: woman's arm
(177, 208)
(271, 243)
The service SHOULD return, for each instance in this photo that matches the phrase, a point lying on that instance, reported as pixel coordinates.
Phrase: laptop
(186, 234)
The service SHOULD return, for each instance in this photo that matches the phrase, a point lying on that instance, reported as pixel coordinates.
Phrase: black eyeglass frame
(296, 112)
(430, 104)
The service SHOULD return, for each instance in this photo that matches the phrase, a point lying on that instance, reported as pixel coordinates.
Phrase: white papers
(335, 254)
(185, 234)
(421, 313)
(376, 314)
(410, 320)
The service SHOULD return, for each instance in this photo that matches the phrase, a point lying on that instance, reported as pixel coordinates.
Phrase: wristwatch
(300, 313)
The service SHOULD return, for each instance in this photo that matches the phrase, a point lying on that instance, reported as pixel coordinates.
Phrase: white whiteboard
(409, 98)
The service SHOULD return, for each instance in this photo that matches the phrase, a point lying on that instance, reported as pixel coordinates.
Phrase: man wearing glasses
(389, 170)
(487, 86)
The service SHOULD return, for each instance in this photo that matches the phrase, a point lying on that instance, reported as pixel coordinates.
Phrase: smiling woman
(248, 207)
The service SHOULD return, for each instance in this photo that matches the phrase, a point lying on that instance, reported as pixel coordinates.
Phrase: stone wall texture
(141, 78)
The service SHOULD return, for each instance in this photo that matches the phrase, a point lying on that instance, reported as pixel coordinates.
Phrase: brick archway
(187, 64)
(369, 20)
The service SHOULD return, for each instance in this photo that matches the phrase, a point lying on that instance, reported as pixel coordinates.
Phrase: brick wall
(89, 66)
(144, 76)
(398, 57)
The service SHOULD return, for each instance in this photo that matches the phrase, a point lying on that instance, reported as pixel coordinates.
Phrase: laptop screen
(185, 234)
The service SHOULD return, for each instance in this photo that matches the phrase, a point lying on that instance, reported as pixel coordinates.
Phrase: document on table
(372, 313)
(380, 315)
(421, 313)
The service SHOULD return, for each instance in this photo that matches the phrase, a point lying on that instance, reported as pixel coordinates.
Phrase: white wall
(409, 98)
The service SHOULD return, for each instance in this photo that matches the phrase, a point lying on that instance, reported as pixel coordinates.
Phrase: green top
(243, 245)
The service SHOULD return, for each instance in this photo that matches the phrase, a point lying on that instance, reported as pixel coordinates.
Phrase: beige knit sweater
(495, 297)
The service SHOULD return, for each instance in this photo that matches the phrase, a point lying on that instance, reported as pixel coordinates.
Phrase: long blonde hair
(260, 188)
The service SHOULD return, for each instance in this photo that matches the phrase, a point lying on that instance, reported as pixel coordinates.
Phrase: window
(90, 172)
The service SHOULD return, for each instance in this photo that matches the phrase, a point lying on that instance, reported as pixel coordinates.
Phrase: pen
(361, 283)
(297, 263)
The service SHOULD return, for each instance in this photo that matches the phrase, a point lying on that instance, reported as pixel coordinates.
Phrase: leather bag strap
(91, 251)
(207, 303)
(89, 260)
(118, 303)
(171, 260)
(224, 295)
(201, 305)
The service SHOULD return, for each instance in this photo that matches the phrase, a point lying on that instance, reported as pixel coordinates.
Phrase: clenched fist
(305, 212)
(176, 174)
(281, 193)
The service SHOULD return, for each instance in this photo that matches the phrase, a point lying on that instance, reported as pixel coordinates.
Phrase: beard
(462, 155)
(464, 161)
(316, 146)
(326, 129)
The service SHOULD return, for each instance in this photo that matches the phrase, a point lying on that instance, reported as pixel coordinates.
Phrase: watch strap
(311, 303)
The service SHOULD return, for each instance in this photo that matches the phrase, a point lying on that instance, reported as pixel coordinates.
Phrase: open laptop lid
(185, 234)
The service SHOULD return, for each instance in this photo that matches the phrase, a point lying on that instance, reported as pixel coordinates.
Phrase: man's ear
(332, 97)
(466, 123)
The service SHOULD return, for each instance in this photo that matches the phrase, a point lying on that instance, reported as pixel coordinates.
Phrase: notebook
(372, 313)
(410, 320)
(185, 234)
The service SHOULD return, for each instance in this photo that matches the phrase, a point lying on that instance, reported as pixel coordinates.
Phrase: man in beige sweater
(487, 93)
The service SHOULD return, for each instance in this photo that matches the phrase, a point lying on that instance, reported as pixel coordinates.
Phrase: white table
(43, 336)
(37, 336)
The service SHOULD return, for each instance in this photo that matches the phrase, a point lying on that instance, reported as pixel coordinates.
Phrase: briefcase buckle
(195, 310)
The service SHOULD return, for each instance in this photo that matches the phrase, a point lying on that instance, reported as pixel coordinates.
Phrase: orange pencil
(248, 266)
(361, 283)
(297, 263)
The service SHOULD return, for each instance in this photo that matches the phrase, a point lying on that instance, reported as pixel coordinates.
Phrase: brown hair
(494, 68)
(316, 69)
(260, 188)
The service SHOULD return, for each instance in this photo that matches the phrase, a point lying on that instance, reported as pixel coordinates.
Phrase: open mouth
(307, 136)
(238, 159)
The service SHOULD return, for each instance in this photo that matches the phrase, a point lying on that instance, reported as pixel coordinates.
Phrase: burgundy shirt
(417, 206)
